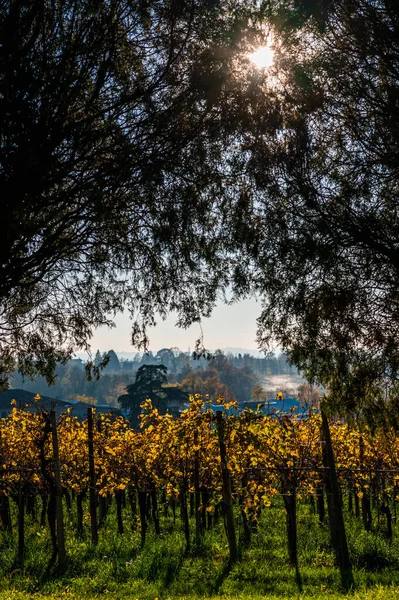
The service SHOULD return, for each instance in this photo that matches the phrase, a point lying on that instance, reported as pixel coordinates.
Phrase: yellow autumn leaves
(266, 455)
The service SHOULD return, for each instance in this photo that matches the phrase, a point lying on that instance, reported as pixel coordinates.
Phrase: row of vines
(232, 466)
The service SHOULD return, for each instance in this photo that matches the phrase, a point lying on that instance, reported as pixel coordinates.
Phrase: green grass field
(120, 568)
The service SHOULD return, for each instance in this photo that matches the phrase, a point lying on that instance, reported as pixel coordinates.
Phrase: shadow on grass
(374, 561)
(347, 581)
(171, 573)
(50, 574)
(298, 578)
(162, 567)
(223, 574)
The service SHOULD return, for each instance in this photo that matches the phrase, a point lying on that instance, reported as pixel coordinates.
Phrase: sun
(262, 57)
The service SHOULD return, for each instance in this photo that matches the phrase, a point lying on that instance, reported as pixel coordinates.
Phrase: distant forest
(236, 377)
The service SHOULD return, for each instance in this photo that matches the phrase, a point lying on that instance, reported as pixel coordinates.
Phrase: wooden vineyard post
(131, 494)
(330, 503)
(79, 506)
(92, 478)
(21, 519)
(289, 498)
(197, 491)
(366, 506)
(290, 506)
(5, 513)
(184, 511)
(341, 545)
(119, 506)
(226, 490)
(58, 495)
(142, 498)
(245, 523)
(320, 504)
(154, 509)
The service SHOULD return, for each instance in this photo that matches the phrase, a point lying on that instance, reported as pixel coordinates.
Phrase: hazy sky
(229, 326)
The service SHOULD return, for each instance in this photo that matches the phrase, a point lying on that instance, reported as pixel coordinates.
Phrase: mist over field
(272, 383)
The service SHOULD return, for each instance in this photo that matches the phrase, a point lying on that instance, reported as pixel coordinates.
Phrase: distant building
(79, 409)
(26, 401)
(286, 406)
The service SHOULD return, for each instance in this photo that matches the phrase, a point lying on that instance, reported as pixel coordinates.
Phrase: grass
(119, 567)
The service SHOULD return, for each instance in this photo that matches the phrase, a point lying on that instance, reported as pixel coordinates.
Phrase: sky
(230, 326)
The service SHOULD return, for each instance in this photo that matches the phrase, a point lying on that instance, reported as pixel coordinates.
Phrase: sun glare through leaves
(262, 57)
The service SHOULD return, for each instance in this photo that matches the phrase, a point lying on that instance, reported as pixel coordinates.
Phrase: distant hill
(129, 355)
(250, 351)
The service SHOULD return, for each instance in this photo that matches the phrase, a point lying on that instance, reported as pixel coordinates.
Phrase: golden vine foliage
(267, 455)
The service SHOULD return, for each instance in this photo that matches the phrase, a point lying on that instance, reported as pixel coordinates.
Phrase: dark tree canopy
(110, 135)
(151, 383)
(318, 225)
(113, 364)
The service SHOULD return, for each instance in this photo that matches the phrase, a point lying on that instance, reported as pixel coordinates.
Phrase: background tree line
(233, 377)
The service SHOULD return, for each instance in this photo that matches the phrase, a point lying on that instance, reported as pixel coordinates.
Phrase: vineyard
(206, 466)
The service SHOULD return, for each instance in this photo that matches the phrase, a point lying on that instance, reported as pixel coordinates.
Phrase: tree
(259, 394)
(309, 395)
(166, 357)
(110, 136)
(113, 362)
(183, 366)
(85, 399)
(151, 382)
(239, 381)
(98, 359)
(317, 223)
(207, 383)
(114, 393)
(148, 359)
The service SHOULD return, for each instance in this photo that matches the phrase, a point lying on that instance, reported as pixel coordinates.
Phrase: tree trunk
(336, 507)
